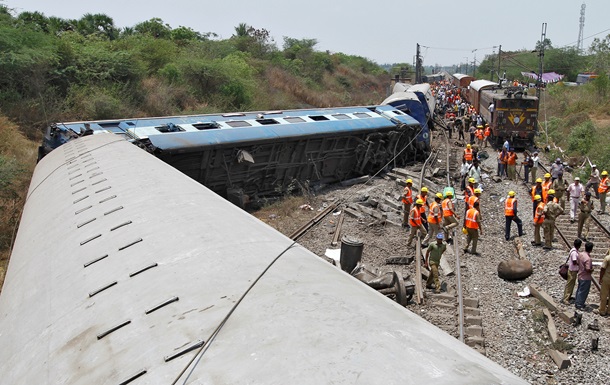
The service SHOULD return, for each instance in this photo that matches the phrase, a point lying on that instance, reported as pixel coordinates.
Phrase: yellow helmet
(468, 145)
(551, 192)
(449, 194)
(539, 180)
(547, 175)
(424, 189)
(409, 181)
(479, 126)
(419, 202)
(464, 230)
(471, 180)
(511, 193)
(439, 195)
(537, 197)
(477, 190)
(604, 173)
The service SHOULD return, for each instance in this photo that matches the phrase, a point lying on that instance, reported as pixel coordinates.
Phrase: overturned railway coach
(254, 155)
(514, 116)
(124, 271)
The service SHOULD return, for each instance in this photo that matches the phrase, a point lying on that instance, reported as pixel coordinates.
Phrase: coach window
(362, 115)
(294, 119)
(318, 118)
(266, 122)
(206, 126)
(340, 116)
(238, 123)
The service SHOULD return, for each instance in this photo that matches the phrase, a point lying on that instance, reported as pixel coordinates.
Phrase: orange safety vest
(509, 207)
(471, 201)
(423, 207)
(447, 206)
(431, 218)
(534, 192)
(414, 217)
(546, 186)
(512, 158)
(468, 154)
(471, 219)
(407, 195)
(539, 215)
(487, 131)
(479, 134)
(603, 186)
(468, 192)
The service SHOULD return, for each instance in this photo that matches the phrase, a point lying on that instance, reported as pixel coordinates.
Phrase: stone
(515, 269)
(473, 320)
(471, 302)
(474, 330)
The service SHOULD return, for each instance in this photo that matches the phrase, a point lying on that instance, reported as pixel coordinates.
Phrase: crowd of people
(435, 218)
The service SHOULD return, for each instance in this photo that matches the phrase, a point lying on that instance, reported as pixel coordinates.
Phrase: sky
(450, 32)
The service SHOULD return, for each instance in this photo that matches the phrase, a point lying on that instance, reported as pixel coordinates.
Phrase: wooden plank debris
(550, 325)
(549, 303)
(355, 181)
(419, 293)
(561, 359)
(338, 229)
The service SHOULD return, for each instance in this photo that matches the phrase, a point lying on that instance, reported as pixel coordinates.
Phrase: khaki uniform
(435, 253)
(551, 211)
(560, 186)
(605, 286)
(586, 207)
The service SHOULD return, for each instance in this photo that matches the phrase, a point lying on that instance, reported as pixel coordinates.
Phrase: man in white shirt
(534, 168)
(575, 191)
(593, 180)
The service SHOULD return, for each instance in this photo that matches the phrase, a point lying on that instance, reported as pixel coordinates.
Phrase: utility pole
(499, 56)
(581, 29)
(466, 70)
(418, 69)
(540, 62)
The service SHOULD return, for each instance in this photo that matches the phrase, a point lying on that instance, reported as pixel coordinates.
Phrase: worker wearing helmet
(511, 164)
(560, 186)
(450, 218)
(604, 185)
(538, 220)
(472, 224)
(510, 215)
(472, 199)
(435, 217)
(547, 183)
(423, 195)
(434, 253)
(536, 190)
(468, 153)
(416, 222)
(407, 201)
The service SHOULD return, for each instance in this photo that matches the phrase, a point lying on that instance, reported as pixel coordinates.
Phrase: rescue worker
(487, 134)
(536, 190)
(469, 191)
(586, 208)
(511, 164)
(510, 214)
(407, 201)
(450, 218)
(435, 217)
(468, 154)
(538, 220)
(472, 223)
(480, 136)
(604, 185)
(434, 253)
(560, 186)
(547, 184)
(415, 221)
(472, 199)
(593, 181)
(423, 195)
(551, 211)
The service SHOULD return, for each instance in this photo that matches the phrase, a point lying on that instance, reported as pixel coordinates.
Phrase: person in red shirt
(585, 268)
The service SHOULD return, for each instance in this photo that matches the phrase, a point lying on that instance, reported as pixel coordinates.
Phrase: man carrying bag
(572, 271)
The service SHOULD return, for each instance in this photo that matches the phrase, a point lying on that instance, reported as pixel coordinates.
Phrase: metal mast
(541, 60)
(582, 28)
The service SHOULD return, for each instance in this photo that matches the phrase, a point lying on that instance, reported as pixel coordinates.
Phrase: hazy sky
(385, 32)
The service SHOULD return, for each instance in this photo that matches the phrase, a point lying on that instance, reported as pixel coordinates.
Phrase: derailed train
(515, 115)
(124, 271)
(244, 156)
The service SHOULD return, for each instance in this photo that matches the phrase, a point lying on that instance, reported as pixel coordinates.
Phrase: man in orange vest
(435, 217)
(604, 185)
(480, 136)
(538, 220)
(472, 223)
(511, 164)
(510, 214)
(547, 184)
(468, 154)
(536, 190)
(423, 195)
(473, 198)
(415, 221)
(487, 134)
(407, 201)
(450, 218)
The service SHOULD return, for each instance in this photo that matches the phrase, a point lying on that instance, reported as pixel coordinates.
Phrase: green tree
(155, 28)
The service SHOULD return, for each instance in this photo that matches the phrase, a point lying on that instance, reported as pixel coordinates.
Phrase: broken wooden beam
(547, 300)
(338, 229)
(355, 181)
(419, 293)
(561, 359)
(550, 325)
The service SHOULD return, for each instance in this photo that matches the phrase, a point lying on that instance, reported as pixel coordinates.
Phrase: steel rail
(303, 229)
